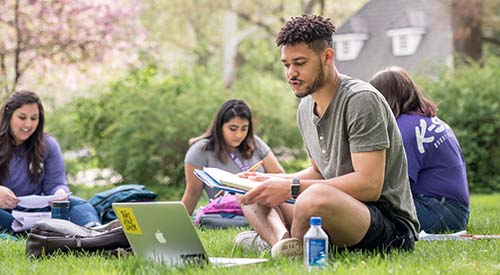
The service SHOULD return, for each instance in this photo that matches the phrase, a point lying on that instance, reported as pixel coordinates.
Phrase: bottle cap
(315, 220)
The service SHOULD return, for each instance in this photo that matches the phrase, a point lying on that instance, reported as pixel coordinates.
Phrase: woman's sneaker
(291, 248)
(251, 240)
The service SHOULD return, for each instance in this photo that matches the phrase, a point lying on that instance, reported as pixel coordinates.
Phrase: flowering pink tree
(61, 32)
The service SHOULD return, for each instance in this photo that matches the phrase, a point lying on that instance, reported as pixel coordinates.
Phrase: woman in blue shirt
(31, 161)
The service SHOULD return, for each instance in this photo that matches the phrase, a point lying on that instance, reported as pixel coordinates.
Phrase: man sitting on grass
(358, 179)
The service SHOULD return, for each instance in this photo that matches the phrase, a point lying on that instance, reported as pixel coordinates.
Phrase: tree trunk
(232, 40)
(230, 47)
(467, 32)
(308, 6)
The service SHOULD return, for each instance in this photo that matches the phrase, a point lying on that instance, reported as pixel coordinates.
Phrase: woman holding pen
(228, 144)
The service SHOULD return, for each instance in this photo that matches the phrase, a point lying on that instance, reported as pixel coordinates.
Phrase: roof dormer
(405, 41)
(349, 45)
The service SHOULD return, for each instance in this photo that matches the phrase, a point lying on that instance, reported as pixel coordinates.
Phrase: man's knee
(316, 199)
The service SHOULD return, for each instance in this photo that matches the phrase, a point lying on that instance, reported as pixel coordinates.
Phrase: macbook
(163, 232)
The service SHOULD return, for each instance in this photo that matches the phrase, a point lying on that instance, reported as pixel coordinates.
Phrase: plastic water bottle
(315, 245)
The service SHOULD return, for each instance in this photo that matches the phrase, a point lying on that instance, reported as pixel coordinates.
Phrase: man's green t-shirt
(358, 120)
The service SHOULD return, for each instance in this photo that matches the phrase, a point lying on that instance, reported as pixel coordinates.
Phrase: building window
(405, 41)
(348, 46)
(345, 47)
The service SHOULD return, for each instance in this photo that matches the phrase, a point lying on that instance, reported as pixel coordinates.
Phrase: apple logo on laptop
(159, 236)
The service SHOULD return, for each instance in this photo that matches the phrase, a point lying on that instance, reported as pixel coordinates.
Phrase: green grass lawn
(438, 257)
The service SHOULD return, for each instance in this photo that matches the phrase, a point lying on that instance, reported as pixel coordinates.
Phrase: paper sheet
(25, 220)
(461, 236)
(424, 236)
(36, 201)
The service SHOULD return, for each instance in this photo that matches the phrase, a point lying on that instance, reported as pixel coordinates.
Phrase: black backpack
(124, 193)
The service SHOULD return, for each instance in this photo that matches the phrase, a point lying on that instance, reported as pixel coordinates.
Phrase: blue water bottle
(60, 210)
(315, 245)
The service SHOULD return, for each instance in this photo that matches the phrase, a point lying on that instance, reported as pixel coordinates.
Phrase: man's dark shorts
(386, 232)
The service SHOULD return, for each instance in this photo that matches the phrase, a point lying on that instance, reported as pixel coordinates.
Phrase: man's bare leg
(269, 223)
(344, 218)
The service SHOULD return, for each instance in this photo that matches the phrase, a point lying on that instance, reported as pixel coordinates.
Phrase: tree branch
(491, 40)
(249, 19)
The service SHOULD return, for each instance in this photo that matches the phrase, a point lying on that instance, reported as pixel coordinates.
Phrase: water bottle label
(317, 252)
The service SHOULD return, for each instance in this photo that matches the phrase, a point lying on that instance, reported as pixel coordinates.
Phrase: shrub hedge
(469, 101)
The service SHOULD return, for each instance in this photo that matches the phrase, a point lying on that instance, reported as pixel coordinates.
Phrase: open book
(226, 181)
(229, 179)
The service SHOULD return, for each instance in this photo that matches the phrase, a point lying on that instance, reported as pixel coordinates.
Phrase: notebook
(163, 232)
(220, 179)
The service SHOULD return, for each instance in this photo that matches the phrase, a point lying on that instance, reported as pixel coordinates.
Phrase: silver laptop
(163, 232)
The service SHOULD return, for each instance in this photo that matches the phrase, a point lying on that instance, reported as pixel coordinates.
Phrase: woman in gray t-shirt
(228, 144)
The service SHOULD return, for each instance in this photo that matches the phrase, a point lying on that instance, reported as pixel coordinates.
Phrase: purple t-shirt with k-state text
(435, 161)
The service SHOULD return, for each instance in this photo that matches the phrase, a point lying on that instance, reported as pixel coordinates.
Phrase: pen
(219, 194)
(255, 166)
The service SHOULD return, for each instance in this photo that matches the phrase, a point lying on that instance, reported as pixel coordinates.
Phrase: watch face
(295, 188)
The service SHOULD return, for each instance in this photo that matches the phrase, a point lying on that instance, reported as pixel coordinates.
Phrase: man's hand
(8, 199)
(271, 192)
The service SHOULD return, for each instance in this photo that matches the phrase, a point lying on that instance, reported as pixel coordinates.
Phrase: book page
(230, 179)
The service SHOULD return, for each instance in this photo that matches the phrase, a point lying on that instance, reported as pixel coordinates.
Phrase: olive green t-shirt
(358, 120)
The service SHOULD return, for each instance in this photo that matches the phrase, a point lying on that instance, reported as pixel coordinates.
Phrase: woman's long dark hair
(229, 110)
(35, 146)
(402, 93)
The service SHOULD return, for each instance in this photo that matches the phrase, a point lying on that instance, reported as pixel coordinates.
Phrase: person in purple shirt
(31, 162)
(436, 165)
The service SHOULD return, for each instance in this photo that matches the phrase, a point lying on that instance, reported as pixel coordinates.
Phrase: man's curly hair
(314, 30)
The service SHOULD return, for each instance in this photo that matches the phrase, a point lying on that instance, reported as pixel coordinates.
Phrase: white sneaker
(251, 240)
(291, 248)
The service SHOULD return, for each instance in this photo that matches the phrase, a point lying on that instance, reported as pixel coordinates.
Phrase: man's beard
(318, 83)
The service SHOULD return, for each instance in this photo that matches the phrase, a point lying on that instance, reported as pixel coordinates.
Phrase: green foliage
(295, 165)
(141, 126)
(469, 102)
(273, 108)
(262, 56)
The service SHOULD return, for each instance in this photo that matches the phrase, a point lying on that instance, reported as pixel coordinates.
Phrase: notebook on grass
(163, 232)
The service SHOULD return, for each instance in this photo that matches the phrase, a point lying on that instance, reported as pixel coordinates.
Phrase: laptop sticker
(129, 222)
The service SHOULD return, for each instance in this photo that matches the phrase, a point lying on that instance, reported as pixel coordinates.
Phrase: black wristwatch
(295, 188)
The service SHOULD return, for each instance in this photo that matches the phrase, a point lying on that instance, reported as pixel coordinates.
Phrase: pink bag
(226, 204)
